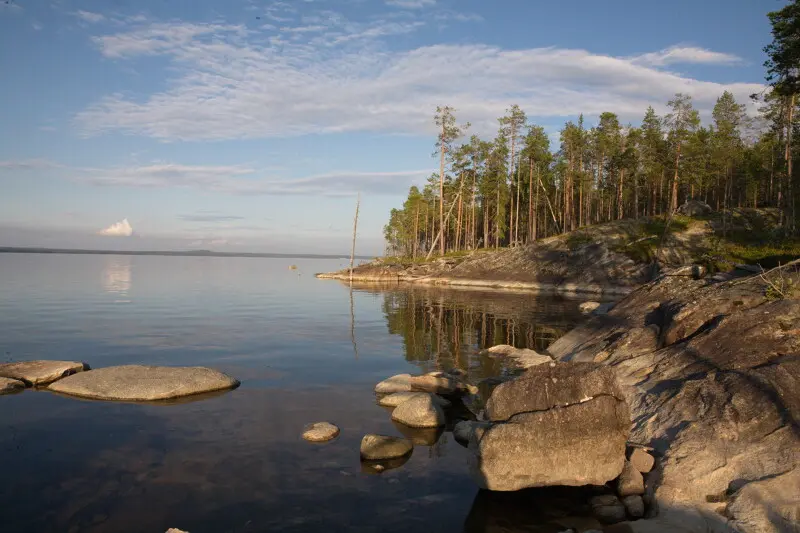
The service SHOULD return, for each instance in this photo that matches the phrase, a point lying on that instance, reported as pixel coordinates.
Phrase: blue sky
(243, 125)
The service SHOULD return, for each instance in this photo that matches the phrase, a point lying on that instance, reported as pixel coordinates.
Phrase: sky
(247, 125)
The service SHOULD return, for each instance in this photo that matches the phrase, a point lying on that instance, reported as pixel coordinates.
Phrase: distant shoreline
(189, 253)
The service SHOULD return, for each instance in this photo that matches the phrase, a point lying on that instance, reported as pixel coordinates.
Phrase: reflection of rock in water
(420, 436)
(117, 274)
(541, 510)
(379, 467)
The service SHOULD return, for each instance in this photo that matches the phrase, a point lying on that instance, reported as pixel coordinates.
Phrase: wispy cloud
(27, 164)
(686, 54)
(411, 4)
(117, 229)
(89, 16)
(327, 74)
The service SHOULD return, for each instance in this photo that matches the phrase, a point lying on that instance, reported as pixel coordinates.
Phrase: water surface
(305, 350)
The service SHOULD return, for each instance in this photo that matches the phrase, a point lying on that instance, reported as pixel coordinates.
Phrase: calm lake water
(304, 349)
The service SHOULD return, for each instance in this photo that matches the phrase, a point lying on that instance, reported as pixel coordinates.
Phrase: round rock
(398, 383)
(9, 386)
(320, 432)
(136, 383)
(40, 372)
(419, 412)
(380, 447)
(641, 460)
(634, 505)
(630, 481)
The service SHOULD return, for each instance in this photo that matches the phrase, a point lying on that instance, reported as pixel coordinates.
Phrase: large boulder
(10, 386)
(136, 383)
(717, 397)
(34, 373)
(419, 412)
(565, 424)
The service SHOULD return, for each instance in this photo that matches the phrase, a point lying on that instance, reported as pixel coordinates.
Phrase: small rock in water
(398, 383)
(176, 530)
(436, 384)
(320, 432)
(634, 505)
(379, 447)
(641, 460)
(40, 372)
(8, 385)
(419, 412)
(630, 481)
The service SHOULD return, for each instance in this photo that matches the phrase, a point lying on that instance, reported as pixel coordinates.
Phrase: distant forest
(515, 188)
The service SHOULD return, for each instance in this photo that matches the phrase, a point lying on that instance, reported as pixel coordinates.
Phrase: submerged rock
(564, 424)
(40, 372)
(380, 447)
(143, 383)
(420, 436)
(9, 386)
(379, 467)
(320, 432)
(419, 412)
(398, 383)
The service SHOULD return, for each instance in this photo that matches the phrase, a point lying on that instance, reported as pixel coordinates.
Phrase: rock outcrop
(40, 372)
(712, 374)
(136, 383)
(556, 424)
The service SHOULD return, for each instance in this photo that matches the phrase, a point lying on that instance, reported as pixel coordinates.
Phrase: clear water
(305, 350)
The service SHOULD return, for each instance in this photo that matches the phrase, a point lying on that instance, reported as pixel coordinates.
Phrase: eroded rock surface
(137, 383)
(419, 412)
(40, 372)
(714, 388)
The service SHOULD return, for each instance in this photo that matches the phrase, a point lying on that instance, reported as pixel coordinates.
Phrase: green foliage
(576, 239)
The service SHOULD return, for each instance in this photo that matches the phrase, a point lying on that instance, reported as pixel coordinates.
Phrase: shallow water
(305, 350)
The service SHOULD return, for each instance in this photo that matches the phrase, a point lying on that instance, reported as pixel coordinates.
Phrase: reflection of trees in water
(446, 328)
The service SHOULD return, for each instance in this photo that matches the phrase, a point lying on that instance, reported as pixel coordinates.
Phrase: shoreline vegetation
(188, 253)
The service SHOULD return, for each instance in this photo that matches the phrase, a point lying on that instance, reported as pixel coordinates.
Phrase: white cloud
(328, 74)
(411, 4)
(37, 26)
(686, 54)
(118, 229)
(89, 16)
(27, 164)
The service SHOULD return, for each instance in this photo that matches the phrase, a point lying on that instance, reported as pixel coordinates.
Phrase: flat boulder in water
(40, 372)
(9, 386)
(137, 383)
(320, 432)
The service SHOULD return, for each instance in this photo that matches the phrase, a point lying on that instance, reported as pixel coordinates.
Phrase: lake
(304, 349)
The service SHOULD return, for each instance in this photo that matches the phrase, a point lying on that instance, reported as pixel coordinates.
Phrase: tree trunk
(788, 156)
(620, 210)
(673, 204)
(516, 228)
(531, 222)
(441, 191)
(416, 232)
